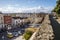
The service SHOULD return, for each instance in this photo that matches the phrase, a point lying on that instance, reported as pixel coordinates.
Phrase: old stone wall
(45, 31)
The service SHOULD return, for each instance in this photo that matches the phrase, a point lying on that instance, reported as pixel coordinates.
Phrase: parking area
(13, 33)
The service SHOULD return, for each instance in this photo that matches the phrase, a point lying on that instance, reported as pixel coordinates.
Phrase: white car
(15, 34)
(19, 32)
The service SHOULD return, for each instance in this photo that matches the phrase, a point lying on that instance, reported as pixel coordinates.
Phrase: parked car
(15, 34)
(19, 32)
(22, 31)
(9, 35)
(2, 30)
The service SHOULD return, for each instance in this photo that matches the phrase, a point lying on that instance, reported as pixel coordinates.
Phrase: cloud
(15, 9)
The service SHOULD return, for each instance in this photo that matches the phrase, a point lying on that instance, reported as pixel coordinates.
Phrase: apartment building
(16, 20)
(7, 21)
(1, 21)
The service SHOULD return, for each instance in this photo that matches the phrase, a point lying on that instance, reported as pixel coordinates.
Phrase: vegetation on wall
(27, 35)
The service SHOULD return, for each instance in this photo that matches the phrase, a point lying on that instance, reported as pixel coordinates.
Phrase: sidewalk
(19, 38)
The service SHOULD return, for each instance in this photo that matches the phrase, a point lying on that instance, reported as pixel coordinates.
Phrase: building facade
(1, 21)
(7, 22)
(16, 21)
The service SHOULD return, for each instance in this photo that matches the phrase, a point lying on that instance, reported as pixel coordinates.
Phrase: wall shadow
(56, 27)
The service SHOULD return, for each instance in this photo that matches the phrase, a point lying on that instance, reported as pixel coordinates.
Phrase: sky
(17, 6)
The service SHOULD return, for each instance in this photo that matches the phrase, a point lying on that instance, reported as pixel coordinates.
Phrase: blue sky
(27, 5)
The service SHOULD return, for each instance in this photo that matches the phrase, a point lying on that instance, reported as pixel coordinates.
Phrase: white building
(16, 21)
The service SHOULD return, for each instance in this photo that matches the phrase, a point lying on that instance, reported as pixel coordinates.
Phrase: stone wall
(45, 31)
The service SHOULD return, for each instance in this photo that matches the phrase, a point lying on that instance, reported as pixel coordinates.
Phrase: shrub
(27, 35)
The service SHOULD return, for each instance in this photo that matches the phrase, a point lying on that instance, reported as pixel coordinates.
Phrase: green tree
(57, 7)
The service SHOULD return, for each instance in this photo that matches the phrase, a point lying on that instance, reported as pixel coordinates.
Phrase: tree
(57, 7)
